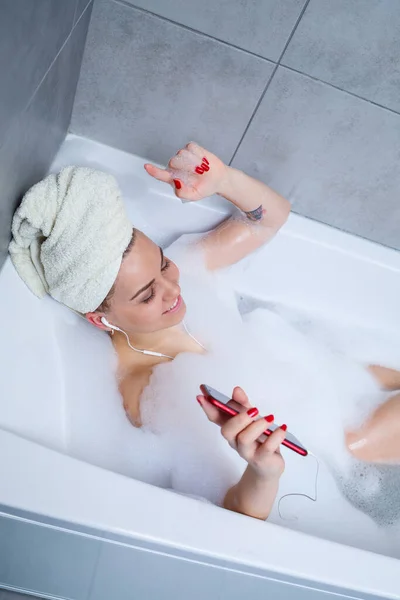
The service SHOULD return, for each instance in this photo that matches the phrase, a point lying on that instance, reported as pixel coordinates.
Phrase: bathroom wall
(302, 94)
(41, 48)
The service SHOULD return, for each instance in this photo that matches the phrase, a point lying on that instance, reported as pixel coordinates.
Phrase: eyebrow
(146, 287)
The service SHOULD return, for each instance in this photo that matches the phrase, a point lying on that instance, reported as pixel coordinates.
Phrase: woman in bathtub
(72, 239)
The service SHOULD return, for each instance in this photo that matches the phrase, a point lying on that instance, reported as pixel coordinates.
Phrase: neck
(156, 340)
(170, 342)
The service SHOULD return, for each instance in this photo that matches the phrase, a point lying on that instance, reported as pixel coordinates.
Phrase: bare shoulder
(131, 387)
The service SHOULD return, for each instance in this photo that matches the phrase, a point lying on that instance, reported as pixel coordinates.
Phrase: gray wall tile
(353, 45)
(80, 7)
(335, 156)
(7, 595)
(46, 561)
(31, 34)
(149, 86)
(259, 26)
(27, 148)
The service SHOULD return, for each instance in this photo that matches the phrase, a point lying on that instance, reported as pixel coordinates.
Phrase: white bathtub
(308, 264)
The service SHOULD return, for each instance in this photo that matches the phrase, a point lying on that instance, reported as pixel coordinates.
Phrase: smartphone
(232, 408)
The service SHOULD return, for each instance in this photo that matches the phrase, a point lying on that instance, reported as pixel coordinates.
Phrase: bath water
(306, 370)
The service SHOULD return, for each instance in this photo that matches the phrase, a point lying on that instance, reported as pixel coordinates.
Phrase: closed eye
(164, 267)
(150, 298)
(167, 265)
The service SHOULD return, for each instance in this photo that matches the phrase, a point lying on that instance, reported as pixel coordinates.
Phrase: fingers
(157, 173)
(213, 414)
(191, 158)
(235, 425)
(197, 150)
(183, 160)
(246, 440)
(273, 442)
(241, 397)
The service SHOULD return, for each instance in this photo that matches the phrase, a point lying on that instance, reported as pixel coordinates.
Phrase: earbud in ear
(107, 324)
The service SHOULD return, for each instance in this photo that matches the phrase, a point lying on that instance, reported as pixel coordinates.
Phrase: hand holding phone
(229, 407)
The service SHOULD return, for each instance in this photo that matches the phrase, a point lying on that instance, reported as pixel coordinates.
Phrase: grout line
(200, 33)
(73, 25)
(277, 63)
(269, 81)
(338, 88)
(303, 10)
(55, 58)
(253, 113)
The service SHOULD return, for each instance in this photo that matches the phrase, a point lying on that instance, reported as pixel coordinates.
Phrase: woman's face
(146, 292)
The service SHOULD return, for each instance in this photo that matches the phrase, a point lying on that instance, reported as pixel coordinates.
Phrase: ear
(95, 319)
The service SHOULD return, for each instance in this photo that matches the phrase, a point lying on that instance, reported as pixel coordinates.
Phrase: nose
(171, 290)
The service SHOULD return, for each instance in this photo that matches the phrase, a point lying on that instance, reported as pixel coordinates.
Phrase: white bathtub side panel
(56, 563)
(45, 482)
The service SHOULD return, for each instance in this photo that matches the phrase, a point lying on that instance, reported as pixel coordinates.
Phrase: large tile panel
(149, 86)
(334, 156)
(31, 34)
(353, 45)
(30, 144)
(46, 561)
(259, 26)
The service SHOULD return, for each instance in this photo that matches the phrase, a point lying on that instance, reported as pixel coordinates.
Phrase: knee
(357, 444)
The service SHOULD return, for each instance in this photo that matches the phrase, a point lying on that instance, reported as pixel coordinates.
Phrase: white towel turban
(69, 235)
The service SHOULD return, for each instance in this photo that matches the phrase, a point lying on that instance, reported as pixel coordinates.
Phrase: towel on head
(69, 235)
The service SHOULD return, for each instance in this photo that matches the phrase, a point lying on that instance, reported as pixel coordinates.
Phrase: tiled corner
(31, 34)
(149, 86)
(259, 26)
(30, 144)
(353, 45)
(336, 157)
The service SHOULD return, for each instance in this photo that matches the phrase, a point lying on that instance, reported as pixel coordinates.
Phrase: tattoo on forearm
(256, 214)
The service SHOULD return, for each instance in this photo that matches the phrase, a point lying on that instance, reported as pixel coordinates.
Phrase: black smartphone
(232, 408)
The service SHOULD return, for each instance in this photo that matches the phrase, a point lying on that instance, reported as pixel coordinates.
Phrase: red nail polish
(199, 170)
(252, 412)
(198, 400)
(269, 418)
(205, 161)
(178, 184)
(284, 427)
(205, 167)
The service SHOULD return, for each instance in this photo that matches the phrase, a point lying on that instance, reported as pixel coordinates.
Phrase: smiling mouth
(175, 306)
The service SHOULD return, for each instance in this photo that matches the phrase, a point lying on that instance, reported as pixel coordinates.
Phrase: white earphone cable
(313, 499)
(148, 352)
(192, 336)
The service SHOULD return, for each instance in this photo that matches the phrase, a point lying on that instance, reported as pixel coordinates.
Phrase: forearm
(248, 194)
(252, 495)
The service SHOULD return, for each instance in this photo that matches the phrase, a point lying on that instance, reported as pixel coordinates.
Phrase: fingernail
(284, 427)
(178, 184)
(205, 167)
(199, 170)
(205, 160)
(269, 418)
(198, 400)
(252, 412)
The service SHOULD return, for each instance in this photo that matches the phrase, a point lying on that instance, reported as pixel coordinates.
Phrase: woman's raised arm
(196, 173)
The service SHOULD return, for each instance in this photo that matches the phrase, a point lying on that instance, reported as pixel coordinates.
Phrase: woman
(140, 301)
